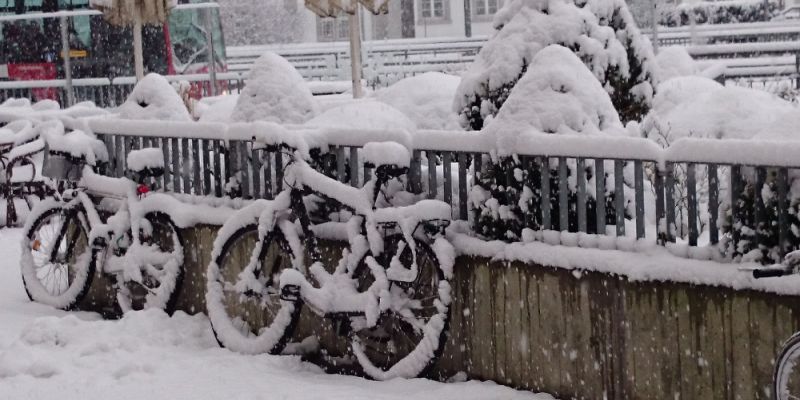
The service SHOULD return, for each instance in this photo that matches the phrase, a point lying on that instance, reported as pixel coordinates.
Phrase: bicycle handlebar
(772, 272)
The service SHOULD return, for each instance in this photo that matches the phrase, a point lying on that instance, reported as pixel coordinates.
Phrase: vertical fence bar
(255, 158)
(691, 202)
(207, 164)
(185, 174)
(713, 204)
(340, 164)
(580, 171)
(243, 149)
(736, 176)
(176, 165)
(563, 195)
(197, 185)
(783, 208)
(619, 196)
(268, 179)
(544, 165)
(415, 173)
(278, 172)
(638, 185)
(600, 195)
(528, 173)
(669, 194)
(447, 165)
(432, 184)
(462, 187)
(166, 179)
(354, 167)
(658, 185)
(476, 175)
(218, 164)
(761, 223)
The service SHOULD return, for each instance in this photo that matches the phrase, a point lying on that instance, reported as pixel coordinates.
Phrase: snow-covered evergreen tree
(612, 55)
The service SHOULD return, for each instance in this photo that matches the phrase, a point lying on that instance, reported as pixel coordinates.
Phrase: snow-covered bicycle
(786, 375)
(389, 293)
(108, 224)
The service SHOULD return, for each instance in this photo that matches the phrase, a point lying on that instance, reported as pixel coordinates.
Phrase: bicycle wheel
(786, 377)
(243, 296)
(160, 261)
(409, 336)
(57, 261)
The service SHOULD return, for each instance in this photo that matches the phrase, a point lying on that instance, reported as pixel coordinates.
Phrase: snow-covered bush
(722, 12)
(153, 97)
(426, 99)
(274, 91)
(702, 108)
(611, 56)
(675, 61)
(557, 95)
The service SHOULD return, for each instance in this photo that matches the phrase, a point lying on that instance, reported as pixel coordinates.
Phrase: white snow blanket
(153, 97)
(274, 92)
(426, 99)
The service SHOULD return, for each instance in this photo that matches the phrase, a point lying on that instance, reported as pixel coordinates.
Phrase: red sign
(35, 72)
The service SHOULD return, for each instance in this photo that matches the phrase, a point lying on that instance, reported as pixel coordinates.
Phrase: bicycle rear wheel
(410, 336)
(786, 377)
(243, 296)
(57, 261)
(162, 272)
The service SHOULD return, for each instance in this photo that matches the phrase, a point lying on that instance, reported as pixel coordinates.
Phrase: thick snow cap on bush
(426, 99)
(217, 108)
(700, 107)
(557, 95)
(154, 98)
(675, 61)
(601, 32)
(363, 114)
(275, 92)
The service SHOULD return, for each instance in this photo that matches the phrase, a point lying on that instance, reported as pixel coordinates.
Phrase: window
(433, 9)
(333, 29)
(485, 8)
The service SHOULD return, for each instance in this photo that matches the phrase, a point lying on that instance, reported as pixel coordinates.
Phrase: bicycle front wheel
(161, 259)
(243, 296)
(57, 261)
(786, 378)
(410, 336)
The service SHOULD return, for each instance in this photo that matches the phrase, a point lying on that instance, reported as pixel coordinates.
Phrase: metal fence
(690, 193)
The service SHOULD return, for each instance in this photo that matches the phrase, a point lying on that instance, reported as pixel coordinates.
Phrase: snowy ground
(46, 353)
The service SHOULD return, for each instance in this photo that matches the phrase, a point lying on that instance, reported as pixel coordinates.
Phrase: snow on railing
(679, 194)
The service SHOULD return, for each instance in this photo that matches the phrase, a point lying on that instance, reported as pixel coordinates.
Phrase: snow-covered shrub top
(217, 108)
(154, 98)
(426, 99)
(275, 92)
(363, 114)
(601, 32)
(701, 108)
(675, 61)
(558, 95)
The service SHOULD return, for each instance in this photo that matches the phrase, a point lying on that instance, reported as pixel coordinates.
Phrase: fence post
(65, 47)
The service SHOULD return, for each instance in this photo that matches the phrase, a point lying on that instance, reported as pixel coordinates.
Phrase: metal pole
(212, 62)
(138, 58)
(654, 18)
(468, 18)
(65, 47)
(355, 53)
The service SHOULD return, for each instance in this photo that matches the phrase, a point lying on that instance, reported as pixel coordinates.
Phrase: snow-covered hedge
(601, 74)
(722, 12)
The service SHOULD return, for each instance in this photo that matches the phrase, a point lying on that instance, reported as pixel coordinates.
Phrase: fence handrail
(760, 153)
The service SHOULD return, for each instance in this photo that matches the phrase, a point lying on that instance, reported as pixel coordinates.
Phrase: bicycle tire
(377, 349)
(53, 225)
(241, 321)
(786, 376)
(156, 291)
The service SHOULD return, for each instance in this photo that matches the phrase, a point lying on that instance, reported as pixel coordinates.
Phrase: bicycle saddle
(388, 158)
(145, 163)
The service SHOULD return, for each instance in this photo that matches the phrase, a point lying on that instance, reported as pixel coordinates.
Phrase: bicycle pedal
(290, 293)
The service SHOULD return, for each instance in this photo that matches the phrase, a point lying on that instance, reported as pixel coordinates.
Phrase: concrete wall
(587, 335)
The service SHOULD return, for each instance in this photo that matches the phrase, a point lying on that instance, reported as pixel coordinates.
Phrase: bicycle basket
(62, 166)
